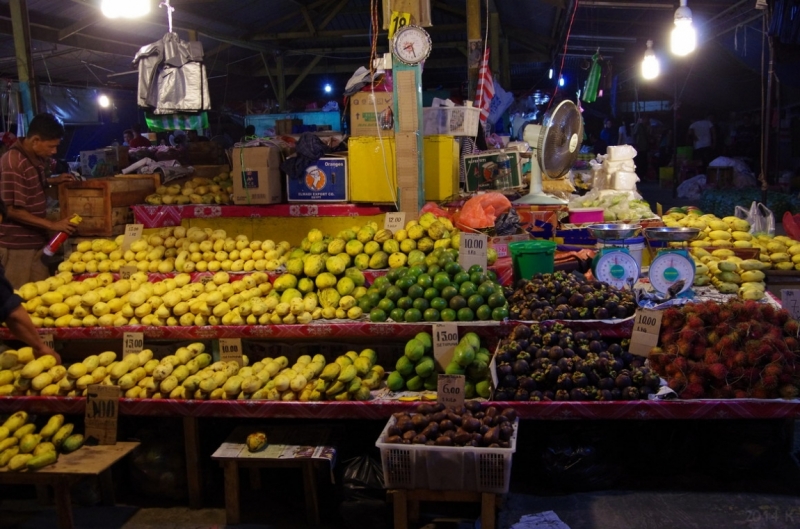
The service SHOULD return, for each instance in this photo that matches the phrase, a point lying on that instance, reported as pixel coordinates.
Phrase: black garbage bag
(581, 464)
(364, 502)
(507, 223)
(309, 150)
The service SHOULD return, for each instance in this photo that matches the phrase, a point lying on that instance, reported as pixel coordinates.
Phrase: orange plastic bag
(481, 210)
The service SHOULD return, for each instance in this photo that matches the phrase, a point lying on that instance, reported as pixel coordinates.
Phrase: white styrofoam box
(621, 152)
(624, 181)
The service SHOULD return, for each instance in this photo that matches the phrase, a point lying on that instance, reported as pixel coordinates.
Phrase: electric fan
(555, 143)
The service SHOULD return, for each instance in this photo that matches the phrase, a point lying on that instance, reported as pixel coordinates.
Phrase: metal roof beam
(81, 24)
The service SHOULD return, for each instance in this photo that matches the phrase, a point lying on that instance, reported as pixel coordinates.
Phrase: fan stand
(537, 196)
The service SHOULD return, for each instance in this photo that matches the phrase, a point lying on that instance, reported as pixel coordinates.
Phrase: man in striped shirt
(23, 179)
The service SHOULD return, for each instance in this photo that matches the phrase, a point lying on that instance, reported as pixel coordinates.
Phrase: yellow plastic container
(373, 177)
(441, 167)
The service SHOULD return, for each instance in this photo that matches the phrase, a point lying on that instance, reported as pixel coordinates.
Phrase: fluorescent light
(683, 40)
(550, 75)
(125, 8)
(103, 101)
(328, 88)
(561, 81)
(650, 66)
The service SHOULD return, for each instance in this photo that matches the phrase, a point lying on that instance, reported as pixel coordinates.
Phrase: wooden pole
(473, 34)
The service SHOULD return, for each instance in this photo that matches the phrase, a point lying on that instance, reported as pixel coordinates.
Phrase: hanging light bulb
(650, 66)
(125, 8)
(684, 38)
(104, 101)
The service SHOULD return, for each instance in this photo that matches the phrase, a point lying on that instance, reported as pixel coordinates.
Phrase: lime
(500, 313)
(497, 300)
(431, 315)
(425, 281)
(401, 272)
(486, 289)
(374, 298)
(397, 314)
(461, 277)
(377, 315)
(421, 304)
(418, 269)
(452, 252)
(439, 303)
(477, 277)
(466, 314)
(492, 275)
(373, 289)
(405, 303)
(475, 301)
(484, 312)
(475, 269)
(443, 261)
(386, 305)
(433, 270)
(383, 288)
(448, 292)
(448, 315)
(364, 303)
(440, 281)
(453, 268)
(457, 302)
(394, 293)
(381, 280)
(430, 293)
(404, 282)
(467, 289)
(437, 251)
(415, 291)
(392, 275)
(413, 315)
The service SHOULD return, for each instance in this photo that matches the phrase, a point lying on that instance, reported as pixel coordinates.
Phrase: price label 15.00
(132, 343)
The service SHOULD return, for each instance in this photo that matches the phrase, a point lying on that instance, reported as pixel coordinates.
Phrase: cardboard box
(325, 181)
(481, 169)
(370, 161)
(104, 162)
(256, 175)
(363, 119)
(441, 167)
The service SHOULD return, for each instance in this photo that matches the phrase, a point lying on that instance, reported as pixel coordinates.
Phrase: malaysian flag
(485, 91)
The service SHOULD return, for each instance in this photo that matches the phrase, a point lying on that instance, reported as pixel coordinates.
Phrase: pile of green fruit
(472, 360)
(415, 370)
(442, 291)
(21, 446)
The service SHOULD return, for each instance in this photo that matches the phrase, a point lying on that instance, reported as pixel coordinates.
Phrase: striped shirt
(22, 186)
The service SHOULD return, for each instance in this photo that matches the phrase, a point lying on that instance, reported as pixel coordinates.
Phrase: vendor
(136, 140)
(14, 315)
(23, 179)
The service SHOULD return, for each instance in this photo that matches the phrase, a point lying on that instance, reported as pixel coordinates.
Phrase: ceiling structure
(324, 41)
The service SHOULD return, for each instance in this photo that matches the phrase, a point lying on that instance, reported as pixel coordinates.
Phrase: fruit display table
(70, 468)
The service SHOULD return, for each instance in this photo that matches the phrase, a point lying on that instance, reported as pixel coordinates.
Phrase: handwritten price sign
(472, 250)
(394, 221)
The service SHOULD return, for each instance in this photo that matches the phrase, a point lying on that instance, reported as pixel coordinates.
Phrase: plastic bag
(481, 211)
(362, 474)
(759, 216)
(508, 223)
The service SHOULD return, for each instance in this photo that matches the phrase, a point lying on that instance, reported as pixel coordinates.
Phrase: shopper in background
(641, 142)
(23, 179)
(137, 140)
(607, 134)
(703, 136)
(14, 315)
(623, 138)
(127, 137)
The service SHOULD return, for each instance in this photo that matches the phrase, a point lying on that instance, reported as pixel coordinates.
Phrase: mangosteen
(623, 380)
(618, 365)
(539, 376)
(525, 315)
(616, 394)
(593, 334)
(523, 343)
(562, 395)
(521, 394)
(576, 300)
(637, 377)
(535, 396)
(645, 392)
(601, 364)
(582, 351)
(552, 373)
(523, 355)
(578, 394)
(521, 367)
(532, 349)
(589, 303)
(637, 362)
(579, 379)
(630, 393)
(605, 395)
(652, 381)
(564, 382)
(504, 370)
(606, 383)
(542, 353)
(504, 356)
(548, 395)
(527, 383)
(501, 394)
(509, 381)
(565, 365)
(600, 313)
(521, 332)
(555, 353)
(594, 378)
(627, 357)
(569, 352)
(611, 307)
(614, 349)
(580, 336)
(595, 346)
(622, 312)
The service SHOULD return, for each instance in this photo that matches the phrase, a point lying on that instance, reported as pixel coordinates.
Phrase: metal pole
(22, 46)
(675, 168)
(473, 34)
(767, 124)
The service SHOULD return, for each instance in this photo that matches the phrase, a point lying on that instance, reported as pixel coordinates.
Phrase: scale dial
(412, 45)
(617, 268)
(670, 266)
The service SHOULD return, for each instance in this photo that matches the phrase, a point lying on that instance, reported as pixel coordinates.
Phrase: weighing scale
(672, 264)
(614, 264)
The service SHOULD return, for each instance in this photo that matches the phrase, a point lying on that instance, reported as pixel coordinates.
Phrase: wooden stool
(406, 504)
(70, 468)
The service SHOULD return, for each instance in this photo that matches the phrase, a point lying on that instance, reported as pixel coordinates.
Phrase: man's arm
(24, 217)
(21, 326)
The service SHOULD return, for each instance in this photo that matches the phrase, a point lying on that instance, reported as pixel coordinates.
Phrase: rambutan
(791, 328)
(672, 318)
(751, 374)
(712, 338)
(710, 357)
(671, 370)
(740, 394)
(693, 391)
(676, 384)
(668, 336)
(739, 359)
(736, 372)
(725, 315)
(785, 379)
(775, 333)
(698, 352)
(758, 392)
(788, 391)
(775, 357)
(687, 335)
(671, 349)
(781, 317)
(695, 323)
(696, 367)
(773, 369)
(791, 343)
(767, 312)
(769, 382)
(717, 371)
(684, 347)
(723, 329)
(681, 364)
(696, 378)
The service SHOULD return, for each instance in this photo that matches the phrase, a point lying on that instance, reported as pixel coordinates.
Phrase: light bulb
(550, 75)
(683, 40)
(103, 101)
(561, 81)
(328, 88)
(125, 8)
(650, 66)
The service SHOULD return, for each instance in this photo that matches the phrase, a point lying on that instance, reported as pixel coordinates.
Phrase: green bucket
(532, 257)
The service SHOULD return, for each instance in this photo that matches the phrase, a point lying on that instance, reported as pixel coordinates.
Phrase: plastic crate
(446, 467)
(451, 121)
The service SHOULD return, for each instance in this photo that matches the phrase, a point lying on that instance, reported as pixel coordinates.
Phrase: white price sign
(790, 300)
(132, 343)
(450, 390)
(231, 349)
(133, 232)
(394, 221)
(646, 328)
(127, 271)
(48, 340)
(102, 410)
(445, 340)
(472, 250)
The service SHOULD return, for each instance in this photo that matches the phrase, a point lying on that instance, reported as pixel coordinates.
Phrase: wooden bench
(406, 504)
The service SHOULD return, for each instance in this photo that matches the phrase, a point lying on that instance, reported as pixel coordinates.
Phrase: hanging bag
(759, 216)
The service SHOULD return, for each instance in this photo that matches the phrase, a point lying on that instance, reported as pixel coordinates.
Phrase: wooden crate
(104, 203)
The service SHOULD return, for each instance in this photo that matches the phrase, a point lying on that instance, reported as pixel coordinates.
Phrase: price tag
(125, 272)
(231, 349)
(493, 371)
(102, 410)
(472, 250)
(133, 232)
(48, 340)
(394, 221)
(790, 300)
(445, 340)
(132, 343)
(646, 327)
(398, 21)
(450, 390)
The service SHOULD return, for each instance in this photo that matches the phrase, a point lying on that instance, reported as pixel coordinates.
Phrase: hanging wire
(170, 9)
(563, 55)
